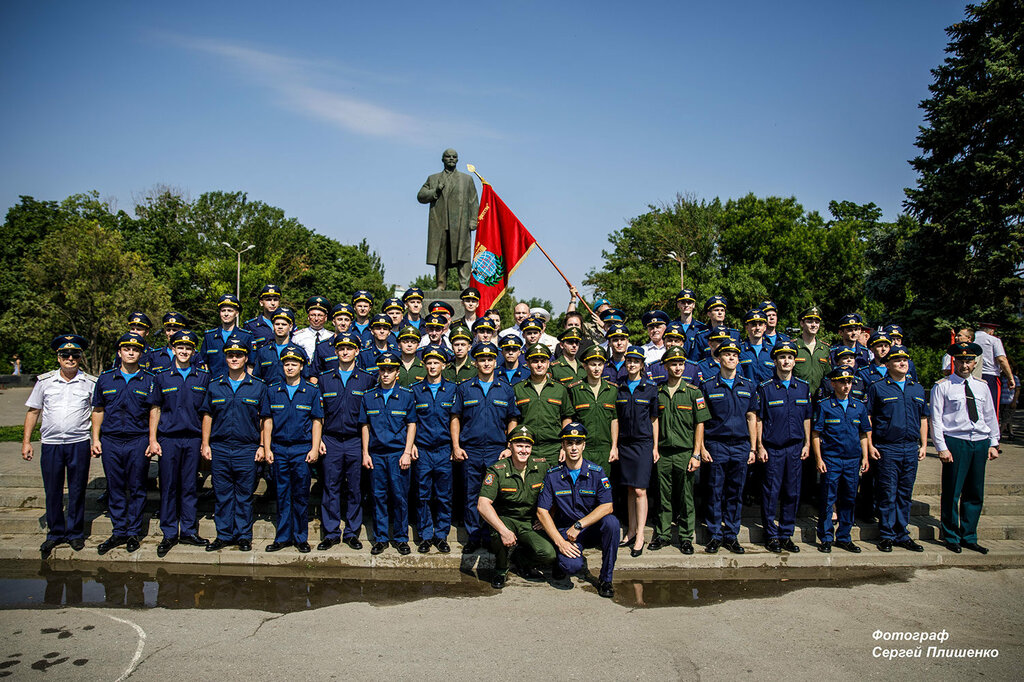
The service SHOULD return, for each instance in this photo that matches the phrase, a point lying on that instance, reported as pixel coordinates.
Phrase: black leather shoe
(403, 548)
(733, 546)
(686, 547)
(470, 547)
(132, 544)
(975, 547)
(327, 543)
(217, 544)
(825, 547)
(165, 546)
(773, 546)
(910, 545)
(557, 573)
(606, 590)
(712, 546)
(885, 545)
(789, 546)
(423, 547)
(442, 546)
(533, 574)
(354, 543)
(245, 545)
(498, 581)
(848, 546)
(275, 546)
(193, 540)
(657, 543)
(77, 544)
(633, 552)
(953, 547)
(378, 547)
(110, 543)
(47, 547)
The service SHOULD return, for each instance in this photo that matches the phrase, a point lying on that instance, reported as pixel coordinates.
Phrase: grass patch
(12, 434)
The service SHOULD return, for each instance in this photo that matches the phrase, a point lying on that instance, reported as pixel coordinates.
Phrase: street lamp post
(238, 270)
(682, 265)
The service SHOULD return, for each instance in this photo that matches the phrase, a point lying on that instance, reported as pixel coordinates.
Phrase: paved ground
(531, 631)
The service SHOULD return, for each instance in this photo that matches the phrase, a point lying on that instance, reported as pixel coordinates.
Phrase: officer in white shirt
(317, 310)
(993, 361)
(966, 434)
(655, 321)
(63, 398)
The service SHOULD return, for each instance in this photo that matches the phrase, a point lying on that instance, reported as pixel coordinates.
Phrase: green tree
(969, 194)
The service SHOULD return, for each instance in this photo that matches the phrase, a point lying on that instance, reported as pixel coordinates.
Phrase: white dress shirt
(949, 412)
(307, 338)
(653, 353)
(66, 406)
(991, 348)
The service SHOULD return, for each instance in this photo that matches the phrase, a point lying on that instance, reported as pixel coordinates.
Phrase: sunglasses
(73, 355)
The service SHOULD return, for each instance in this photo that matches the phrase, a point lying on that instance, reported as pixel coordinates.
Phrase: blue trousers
(473, 470)
(178, 465)
(390, 498)
(433, 475)
(838, 486)
(125, 465)
(233, 469)
(726, 476)
(342, 482)
(781, 483)
(55, 461)
(896, 473)
(603, 534)
(292, 477)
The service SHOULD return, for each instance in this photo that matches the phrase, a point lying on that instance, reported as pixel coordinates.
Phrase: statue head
(450, 159)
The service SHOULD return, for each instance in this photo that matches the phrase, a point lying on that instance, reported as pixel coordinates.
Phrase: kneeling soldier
(508, 501)
(575, 509)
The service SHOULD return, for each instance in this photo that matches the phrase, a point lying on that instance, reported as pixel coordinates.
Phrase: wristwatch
(577, 526)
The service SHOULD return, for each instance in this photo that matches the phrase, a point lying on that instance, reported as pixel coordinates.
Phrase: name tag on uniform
(509, 490)
(743, 394)
(610, 406)
(563, 492)
(641, 401)
(890, 398)
(353, 393)
(833, 421)
(218, 400)
(277, 407)
(471, 402)
(536, 485)
(772, 403)
(503, 403)
(684, 407)
(373, 412)
(422, 406)
(172, 389)
(141, 392)
(250, 401)
(201, 389)
(446, 404)
(399, 412)
(303, 407)
(802, 401)
(582, 406)
(330, 395)
(523, 401)
(109, 391)
(716, 395)
(588, 492)
(554, 401)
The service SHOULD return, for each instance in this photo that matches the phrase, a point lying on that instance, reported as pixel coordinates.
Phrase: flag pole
(472, 169)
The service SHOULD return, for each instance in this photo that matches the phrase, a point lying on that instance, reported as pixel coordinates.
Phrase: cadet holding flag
(508, 503)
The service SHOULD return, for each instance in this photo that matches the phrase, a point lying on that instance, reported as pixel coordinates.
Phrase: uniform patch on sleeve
(606, 483)
(489, 478)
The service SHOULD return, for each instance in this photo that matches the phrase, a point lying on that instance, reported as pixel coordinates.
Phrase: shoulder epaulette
(595, 467)
(693, 386)
(47, 375)
(404, 388)
(766, 381)
(802, 381)
(498, 466)
(107, 371)
(538, 460)
(89, 377)
(251, 319)
(255, 378)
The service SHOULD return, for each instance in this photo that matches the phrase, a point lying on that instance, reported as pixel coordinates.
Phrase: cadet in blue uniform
(846, 359)
(840, 442)
(212, 350)
(755, 355)
(161, 358)
(342, 391)
(879, 344)
(709, 367)
(388, 419)
(325, 358)
(771, 313)
(714, 309)
(483, 330)
(262, 327)
(512, 368)
(691, 327)
(138, 323)
(362, 304)
(637, 408)
(730, 440)
(432, 471)
(483, 412)
(267, 363)
(413, 301)
(898, 440)
(618, 344)
(175, 436)
(381, 341)
(784, 431)
(120, 434)
(235, 436)
(298, 415)
(850, 326)
(895, 334)
(394, 309)
(575, 510)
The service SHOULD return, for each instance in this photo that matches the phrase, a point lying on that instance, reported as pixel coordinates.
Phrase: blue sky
(579, 114)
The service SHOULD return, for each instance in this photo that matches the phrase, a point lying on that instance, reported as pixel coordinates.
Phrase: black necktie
(972, 405)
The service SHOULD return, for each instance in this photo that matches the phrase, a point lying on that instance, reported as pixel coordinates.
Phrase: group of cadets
(544, 446)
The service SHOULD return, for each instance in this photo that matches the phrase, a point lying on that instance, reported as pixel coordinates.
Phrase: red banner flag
(502, 242)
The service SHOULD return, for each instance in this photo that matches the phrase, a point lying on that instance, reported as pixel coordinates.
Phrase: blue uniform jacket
(211, 351)
(519, 374)
(692, 333)
(262, 331)
(783, 411)
(706, 369)
(267, 364)
(857, 392)
(367, 358)
(484, 418)
(862, 354)
(293, 417)
(179, 399)
(756, 366)
(159, 359)
(388, 420)
(729, 408)
(657, 373)
(236, 414)
(840, 429)
(703, 347)
(125, 404)
(568, 502)
(325, 356)
(637, 410)
(896, 414)
(343, 400)
(613, 373)
(433, 414)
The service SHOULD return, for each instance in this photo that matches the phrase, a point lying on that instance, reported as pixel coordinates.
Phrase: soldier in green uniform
(461, 366)
(812, 359)
(412, 368)
(593, 401)
(682, 413)
(568, 369)
(544, 404)
(508, 503)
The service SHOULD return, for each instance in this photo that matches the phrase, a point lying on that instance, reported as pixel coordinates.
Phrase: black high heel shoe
(627, 542)
(633, 552)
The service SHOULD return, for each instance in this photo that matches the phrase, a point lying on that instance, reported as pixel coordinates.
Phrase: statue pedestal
(452, 298)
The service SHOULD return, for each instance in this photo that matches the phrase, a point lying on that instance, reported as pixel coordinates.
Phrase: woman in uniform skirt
(637, 407)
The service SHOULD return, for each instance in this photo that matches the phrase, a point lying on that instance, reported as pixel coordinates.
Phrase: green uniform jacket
(597, 414)
(417, 371)
(811, 367)
(564, 374)
(543, 412)
(679, 415)
(513, 496)
(467, 371)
